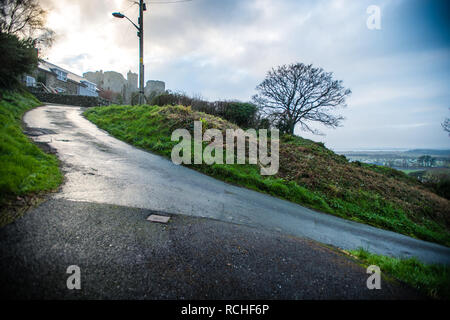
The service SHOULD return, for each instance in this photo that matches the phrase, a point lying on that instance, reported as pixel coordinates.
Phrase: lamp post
(140, 34)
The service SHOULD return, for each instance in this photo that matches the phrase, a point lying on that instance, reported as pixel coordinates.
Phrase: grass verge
(25, 170)
(433, 280)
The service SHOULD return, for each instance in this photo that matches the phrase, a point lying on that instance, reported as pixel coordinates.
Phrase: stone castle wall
(154, 87)
(116, 82)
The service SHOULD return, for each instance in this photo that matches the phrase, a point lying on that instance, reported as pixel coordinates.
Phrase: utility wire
(166, 2)
(132, 4)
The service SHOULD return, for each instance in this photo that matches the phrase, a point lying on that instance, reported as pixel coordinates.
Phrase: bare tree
(299, 94)
(25, 19)
(446, 125)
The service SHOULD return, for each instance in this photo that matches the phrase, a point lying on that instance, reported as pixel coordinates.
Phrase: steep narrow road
(102, 169)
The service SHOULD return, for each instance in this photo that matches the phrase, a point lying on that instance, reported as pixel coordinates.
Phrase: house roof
(49, 67)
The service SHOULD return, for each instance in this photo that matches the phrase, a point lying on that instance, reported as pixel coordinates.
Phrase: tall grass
(24, 168)
(432, 280)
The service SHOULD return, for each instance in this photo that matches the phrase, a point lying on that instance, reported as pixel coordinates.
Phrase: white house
(60, 80)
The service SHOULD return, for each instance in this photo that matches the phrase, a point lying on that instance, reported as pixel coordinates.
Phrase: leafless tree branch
(26, 19)
(298, 94)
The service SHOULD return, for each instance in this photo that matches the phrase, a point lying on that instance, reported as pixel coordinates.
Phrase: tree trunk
(291, 127)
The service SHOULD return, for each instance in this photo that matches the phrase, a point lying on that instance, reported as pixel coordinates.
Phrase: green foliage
(17, 57)
(387, 171)
(134, 98)
(437, 179)
(240, 113)
(432, 280)
(24, 168)
(150, 127)
(243, 114)
(442, 188)
(168, 98)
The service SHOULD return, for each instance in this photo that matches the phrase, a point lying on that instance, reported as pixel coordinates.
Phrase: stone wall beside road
(74, 100)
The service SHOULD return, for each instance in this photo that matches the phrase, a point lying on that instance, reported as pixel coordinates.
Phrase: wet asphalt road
(123, 256)
(99, 168)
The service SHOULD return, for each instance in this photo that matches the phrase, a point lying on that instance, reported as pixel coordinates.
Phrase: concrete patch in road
(158, 218)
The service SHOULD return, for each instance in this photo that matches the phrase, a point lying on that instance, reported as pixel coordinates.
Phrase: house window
(60, 90)
(31, 82)
(61, 75)
(89, 86)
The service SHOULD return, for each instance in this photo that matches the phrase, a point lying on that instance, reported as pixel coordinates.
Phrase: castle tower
(154, 87)
(132, 81)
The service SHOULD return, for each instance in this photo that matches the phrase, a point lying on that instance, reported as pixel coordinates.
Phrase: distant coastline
(415, 150)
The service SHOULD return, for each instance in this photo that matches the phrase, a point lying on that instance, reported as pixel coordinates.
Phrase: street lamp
(118, 15)
(140, 34)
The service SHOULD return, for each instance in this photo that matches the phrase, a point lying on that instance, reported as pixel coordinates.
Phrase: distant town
(404, 160)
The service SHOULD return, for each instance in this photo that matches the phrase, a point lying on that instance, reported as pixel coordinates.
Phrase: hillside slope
(309, 174)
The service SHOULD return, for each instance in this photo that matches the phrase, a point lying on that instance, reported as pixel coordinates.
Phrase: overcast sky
(221, 49)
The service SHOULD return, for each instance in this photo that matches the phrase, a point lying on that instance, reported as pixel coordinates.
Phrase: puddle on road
(34, 132)
(63, 124)
(102, 147)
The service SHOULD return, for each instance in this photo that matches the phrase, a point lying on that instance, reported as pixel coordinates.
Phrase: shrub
(243, 114)
(17, 57)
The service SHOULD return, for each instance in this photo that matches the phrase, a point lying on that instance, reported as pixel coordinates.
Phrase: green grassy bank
(310, 174)
(24, 168)
(431, 280)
